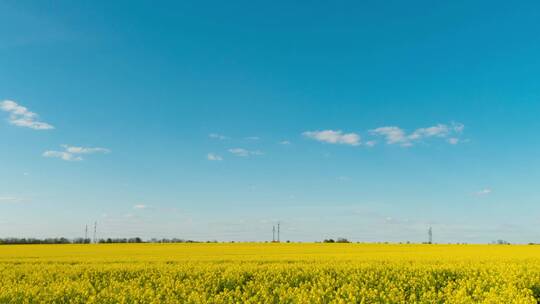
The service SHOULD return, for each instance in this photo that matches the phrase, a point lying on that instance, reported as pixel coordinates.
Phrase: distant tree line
(338, 240)
(62, 240)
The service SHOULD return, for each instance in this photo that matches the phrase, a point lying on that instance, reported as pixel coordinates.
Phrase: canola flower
(269, 273)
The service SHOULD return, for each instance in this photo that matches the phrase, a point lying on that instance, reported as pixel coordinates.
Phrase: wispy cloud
(334, 137)
(22, 117)
(439, 130)
(244, 153)
(214, 157)
(73, 153)
(396, 135)
(140, 206)
(62, 155)
(253, 138)
(84, 150)
(218, 136)
(483, 192)
(284, 142)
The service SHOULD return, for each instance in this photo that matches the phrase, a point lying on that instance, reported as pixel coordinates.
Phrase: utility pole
(95, 232)
(430, 235)
(274, 234)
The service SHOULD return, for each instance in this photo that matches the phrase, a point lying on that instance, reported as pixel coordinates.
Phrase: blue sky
(214, 120)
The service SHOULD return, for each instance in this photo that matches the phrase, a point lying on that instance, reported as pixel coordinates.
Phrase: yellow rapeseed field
(269, 273)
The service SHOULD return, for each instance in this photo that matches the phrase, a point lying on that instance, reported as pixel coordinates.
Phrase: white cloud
(214, 157)
(253, 138)
(396, 135)
(140, 206)
(334, 137)
(484, 192)
(244, 153)
(72, 153)
(439, 130)
(284, 142)
(218, 136)
(393, 135)
(62, 155)
(22, 117)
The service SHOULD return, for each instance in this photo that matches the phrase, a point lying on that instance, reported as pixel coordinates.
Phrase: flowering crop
(269, 273)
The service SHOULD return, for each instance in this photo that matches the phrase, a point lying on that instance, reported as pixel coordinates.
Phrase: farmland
(269, 273)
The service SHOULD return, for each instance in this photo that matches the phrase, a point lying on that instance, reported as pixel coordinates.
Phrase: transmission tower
(278, 232)
(430, 235)
(86, 233)
(274, 234)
